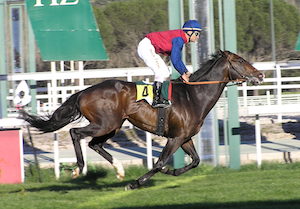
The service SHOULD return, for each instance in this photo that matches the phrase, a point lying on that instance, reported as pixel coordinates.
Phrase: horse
(108, 104)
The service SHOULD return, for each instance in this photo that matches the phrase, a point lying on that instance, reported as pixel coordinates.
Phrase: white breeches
(146, 51)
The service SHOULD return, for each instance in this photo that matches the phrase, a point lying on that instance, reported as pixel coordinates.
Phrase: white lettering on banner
(38, 3)
(54, 3)
(65, 2)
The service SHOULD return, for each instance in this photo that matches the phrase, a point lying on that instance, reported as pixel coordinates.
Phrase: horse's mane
(206, 67)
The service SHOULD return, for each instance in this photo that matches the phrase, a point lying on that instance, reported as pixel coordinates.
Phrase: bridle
(234, 81)
(238, 72)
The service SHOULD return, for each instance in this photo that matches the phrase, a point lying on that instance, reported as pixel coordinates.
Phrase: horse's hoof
(76, 173)
(120, 177)
(129, 187)
(164, 170)
(119, 169)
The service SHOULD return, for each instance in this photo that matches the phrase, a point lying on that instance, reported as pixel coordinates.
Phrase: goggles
(197, 33)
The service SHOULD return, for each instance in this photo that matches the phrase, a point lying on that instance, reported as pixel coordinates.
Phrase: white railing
(277, 85)
(57, 92)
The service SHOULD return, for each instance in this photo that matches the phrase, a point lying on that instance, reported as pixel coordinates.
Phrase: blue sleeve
(177, 44)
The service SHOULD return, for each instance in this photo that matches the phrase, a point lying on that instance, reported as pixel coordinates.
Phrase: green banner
(297, 48)
(65, 30)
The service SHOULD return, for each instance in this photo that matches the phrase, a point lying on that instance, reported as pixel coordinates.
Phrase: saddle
(144, 91)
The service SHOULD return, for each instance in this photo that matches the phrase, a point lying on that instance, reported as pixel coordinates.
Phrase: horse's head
(241, 69)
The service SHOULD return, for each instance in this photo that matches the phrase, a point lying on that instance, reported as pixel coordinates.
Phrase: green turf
(274, 186)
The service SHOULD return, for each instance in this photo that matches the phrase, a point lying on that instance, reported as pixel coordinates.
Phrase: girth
(161, 118)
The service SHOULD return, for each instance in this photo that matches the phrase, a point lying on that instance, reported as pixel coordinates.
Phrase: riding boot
(159, 101)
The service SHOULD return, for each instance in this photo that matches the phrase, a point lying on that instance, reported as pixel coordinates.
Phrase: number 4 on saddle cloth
(145, 91)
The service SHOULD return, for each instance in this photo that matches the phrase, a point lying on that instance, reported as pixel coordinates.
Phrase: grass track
(275, 186)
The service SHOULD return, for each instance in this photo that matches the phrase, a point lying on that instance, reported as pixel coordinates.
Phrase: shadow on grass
(274, 204)
(97, 178)
(79, 185)
(94, 180)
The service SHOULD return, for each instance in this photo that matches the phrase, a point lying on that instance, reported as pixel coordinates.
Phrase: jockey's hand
(186, 76)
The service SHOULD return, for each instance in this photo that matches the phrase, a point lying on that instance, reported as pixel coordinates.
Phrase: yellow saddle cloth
(144, 91)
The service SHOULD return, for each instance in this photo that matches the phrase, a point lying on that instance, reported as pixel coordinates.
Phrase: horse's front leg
(189, 148)
(171, 146)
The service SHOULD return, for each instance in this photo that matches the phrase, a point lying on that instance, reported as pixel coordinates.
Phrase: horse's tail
(65, 114)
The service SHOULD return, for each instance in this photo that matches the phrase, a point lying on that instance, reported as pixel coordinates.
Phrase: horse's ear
(227, 53)
(221, 52)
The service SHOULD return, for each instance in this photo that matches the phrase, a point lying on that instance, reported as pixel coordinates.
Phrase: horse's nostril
(261, 75)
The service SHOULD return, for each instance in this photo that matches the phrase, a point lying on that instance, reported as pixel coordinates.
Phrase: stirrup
(158, 100)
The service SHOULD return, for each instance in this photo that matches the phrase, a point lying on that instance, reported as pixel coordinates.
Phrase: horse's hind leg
(97, 144)
(76, 135)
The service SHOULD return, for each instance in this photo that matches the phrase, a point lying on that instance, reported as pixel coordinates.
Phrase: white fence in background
(268, 109)
(56, 86)
(56, 91)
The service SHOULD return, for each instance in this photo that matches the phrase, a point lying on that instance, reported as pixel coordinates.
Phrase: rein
(215, 82)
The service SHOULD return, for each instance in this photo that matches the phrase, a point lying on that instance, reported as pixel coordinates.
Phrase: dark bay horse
(108, 104)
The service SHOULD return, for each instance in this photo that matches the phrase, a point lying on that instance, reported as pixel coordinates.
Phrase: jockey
(168, 43)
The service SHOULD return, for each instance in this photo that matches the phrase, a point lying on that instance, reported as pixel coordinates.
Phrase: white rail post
(258, 141)
(81, 70)
(279, 91)
(268, 97)
(54, 86)
(63, 91)
(56, 157)
(245, 94)
(49, 97)
(72, 68)
(38, 106)
(149, 151)
(83, 148)
(62, 69)
(129, 79)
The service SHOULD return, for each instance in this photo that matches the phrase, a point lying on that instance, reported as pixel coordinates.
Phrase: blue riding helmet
(192, 25)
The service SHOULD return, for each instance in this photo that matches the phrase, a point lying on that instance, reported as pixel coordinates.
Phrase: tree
(124, 23)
